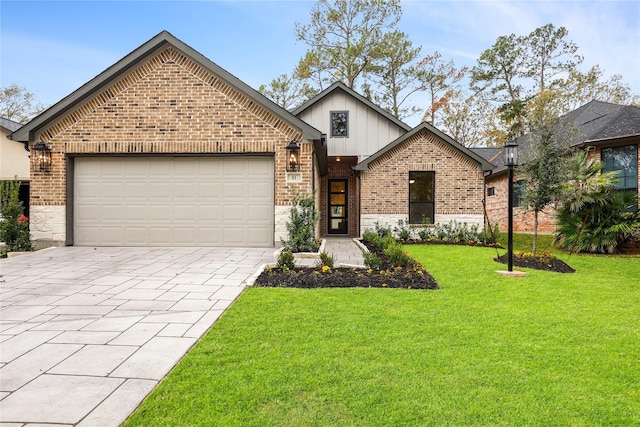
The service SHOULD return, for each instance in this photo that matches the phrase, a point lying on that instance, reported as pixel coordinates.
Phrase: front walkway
(87, 333)
(345, 250)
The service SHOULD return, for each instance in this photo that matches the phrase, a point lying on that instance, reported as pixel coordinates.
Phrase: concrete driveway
(87, 333)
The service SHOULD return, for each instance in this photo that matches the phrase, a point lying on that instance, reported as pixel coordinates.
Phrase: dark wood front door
(338, 206)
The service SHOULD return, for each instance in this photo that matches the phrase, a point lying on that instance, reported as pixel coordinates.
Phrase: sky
(51, 48)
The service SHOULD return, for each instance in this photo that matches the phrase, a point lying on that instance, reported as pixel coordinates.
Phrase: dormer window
(340, 124)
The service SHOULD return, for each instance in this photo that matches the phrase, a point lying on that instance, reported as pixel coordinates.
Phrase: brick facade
(459, 181)
(168, 104)
(523, 221)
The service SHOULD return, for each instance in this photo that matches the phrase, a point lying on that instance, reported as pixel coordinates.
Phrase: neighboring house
(609, 132)
(167, 148)
(14, 160)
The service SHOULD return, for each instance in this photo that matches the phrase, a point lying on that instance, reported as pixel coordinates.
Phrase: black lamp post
(293, 156)
(43, 156)
(510, 160)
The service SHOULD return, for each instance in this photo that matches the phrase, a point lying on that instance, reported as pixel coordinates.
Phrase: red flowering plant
(14, 225)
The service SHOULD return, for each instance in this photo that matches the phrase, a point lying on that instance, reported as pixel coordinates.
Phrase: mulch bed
(538, 263)
(412, 277)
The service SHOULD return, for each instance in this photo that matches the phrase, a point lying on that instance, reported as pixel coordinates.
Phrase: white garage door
(174, 201)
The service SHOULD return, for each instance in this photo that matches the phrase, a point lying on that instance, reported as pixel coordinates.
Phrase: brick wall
(168, 104)
(459, 182)
(523, 221)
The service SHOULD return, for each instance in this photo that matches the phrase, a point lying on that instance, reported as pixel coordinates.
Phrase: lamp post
(510, 160)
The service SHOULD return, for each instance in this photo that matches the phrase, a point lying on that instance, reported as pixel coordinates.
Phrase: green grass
(524, 242)
(546, 349)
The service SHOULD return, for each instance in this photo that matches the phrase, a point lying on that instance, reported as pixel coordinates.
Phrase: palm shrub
(14, 226)
(593, 216)
(301, 227)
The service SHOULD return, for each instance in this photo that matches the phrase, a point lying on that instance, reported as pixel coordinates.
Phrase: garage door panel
(174, 201)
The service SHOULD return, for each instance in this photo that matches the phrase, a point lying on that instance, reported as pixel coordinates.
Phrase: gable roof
(148, 49)
(9, 124)
(364, 165)
(594, 123)
(337, 86)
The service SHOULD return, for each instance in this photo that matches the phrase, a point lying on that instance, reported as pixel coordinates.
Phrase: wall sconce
(293, 156)
(43, 156)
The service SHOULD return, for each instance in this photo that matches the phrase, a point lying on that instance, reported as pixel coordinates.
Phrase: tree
(580, 88)
(543, 167)
(343, 36)
(18, 104)
(497, 72)
(548, 53)
(470, 120)
(287, 91)
(395, 73)
(439, 78)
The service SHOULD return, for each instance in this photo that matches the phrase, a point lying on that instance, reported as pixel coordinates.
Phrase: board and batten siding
(368, 130)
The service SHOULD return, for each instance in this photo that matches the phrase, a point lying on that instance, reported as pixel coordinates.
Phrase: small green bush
(403, 231)
(326, 260)
(397, 256)
(372, 261)
(382, 231)
(286, 260)
(301, 227)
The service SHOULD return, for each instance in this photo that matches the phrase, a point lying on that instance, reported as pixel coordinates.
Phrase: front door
(338, 222)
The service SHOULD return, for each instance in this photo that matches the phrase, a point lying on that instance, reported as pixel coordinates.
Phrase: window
(518, 192)
(625, 160)
(491, 191)
(421, 197)
(339, 123)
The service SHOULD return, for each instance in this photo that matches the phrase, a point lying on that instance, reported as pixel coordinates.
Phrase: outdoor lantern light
(43, 156)
(511, 154)
(510, 160)
(293, 156)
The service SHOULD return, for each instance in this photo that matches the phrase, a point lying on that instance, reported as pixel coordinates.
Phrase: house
(609, 132)
(167, 148)
(14, 160)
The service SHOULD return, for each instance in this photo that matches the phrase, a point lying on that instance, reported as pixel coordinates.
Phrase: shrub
(598, 227)
(286, 260)
(370, 237)
(594, 216)
(403, 231)
(382, 231)
(301, 227)
(397, 256)
(14, 226)
(326, 260)
(372, 261)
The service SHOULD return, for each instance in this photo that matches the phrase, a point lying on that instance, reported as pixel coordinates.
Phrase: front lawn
(546, 349)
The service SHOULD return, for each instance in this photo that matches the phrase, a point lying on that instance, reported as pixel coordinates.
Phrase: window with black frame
(339, 123)
(623, 159)
(421, 197)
